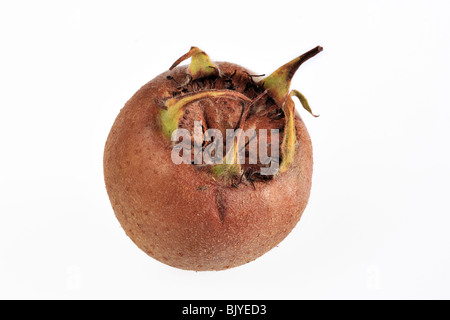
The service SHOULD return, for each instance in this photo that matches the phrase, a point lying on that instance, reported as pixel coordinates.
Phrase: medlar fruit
(190, 199)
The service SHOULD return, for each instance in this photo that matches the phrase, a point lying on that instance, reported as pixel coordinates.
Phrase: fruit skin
(180, 215)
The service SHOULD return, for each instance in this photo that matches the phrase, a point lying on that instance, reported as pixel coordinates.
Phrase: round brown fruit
(201, 216)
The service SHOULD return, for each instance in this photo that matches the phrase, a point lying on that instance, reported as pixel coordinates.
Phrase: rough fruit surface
(206, 216)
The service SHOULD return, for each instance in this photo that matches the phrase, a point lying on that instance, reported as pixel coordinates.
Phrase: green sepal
(303, 101)
(279, 82)
(174, 107)
(200, 67)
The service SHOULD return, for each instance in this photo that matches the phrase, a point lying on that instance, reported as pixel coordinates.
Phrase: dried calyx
(235, 101)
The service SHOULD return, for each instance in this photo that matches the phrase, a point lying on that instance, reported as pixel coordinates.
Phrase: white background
(378, 222)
